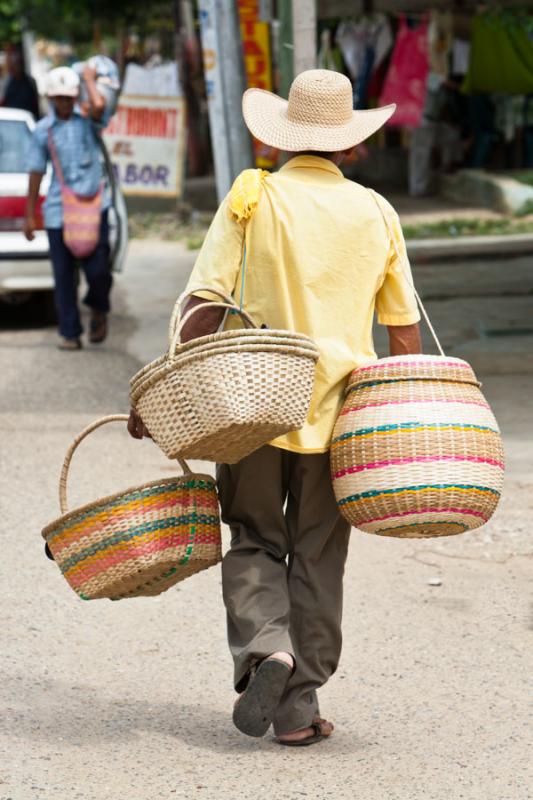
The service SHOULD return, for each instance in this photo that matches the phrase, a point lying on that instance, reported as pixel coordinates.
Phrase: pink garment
(406, 79)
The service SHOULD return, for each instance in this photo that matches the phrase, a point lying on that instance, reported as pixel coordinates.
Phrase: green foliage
(73, 20)
(10, 28)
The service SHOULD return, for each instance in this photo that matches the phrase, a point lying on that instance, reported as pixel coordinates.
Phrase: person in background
(20, 89)
(74, 133)
(323, 254)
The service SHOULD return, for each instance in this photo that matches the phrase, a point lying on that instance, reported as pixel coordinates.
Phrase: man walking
(68, 137)
(21, 89)
(319, 260)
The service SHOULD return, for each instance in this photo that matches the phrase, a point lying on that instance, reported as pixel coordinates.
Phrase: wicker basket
(138, 542)
(222, 396)
(416, 451)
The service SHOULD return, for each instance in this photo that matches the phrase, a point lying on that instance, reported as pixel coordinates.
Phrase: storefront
(462, 80)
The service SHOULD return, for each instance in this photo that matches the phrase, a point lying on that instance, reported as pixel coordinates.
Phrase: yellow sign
(257, 58)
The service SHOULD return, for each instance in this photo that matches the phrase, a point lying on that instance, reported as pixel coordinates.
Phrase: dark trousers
(97, 270)
(282, 577)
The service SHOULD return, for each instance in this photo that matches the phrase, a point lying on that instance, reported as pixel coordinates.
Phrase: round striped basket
(138, 542)
(416, 450)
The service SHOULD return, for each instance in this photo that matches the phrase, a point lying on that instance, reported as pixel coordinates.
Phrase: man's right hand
(136, 426)
(29, 228)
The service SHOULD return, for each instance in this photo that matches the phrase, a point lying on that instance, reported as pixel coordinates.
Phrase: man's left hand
(136, 426)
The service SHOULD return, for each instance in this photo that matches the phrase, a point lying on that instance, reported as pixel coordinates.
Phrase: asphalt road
(132, 700)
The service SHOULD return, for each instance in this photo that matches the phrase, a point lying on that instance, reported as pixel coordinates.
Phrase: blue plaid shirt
(79, 156)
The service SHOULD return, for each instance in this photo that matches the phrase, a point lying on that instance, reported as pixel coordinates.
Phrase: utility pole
(304, 34)
(225, 83)
(286, 46)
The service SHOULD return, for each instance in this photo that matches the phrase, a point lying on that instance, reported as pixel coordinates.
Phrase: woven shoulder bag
(81, 214)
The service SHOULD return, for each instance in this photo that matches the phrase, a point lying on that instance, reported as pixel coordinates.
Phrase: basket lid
(413, 367)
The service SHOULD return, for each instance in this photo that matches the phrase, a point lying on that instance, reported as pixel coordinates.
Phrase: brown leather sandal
(315, 737)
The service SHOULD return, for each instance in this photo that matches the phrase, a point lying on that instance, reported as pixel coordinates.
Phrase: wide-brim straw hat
(318, 115)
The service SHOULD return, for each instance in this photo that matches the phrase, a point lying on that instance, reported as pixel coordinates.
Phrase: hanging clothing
(406, 79)
(501, 58)
(460, 56)
(364, 46)
(328, 56)
(440, 40)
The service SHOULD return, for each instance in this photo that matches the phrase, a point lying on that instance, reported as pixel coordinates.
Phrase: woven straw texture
(222, 396)
(319, 114)
(138, 542)
(416, 452)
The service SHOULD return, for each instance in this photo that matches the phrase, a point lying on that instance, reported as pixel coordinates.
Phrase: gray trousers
(282, 577)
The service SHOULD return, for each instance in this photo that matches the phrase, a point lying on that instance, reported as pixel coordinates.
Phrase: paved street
(132, 700)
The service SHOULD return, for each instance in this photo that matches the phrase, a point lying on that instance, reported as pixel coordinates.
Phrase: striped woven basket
(416, 451)
(222, 396)
(138, 542)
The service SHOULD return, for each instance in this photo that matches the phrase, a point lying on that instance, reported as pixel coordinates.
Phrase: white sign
(146, 139)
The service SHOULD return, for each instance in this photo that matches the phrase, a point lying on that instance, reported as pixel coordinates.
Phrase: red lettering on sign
(156, 122)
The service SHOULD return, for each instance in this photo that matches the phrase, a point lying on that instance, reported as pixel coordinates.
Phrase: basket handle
(176, 339)
(176, 311)
(72, 449)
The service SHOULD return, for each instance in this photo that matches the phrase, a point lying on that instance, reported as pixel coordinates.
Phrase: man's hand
(88, 74)
(96, 101)
(29, 227)
(136, 426)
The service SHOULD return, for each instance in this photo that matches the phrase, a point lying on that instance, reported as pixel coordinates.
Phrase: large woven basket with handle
(222, 396)
(138, 542)
(416, 450)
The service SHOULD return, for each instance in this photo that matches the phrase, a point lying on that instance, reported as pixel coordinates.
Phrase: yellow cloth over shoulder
(319, 260)
(245, 192)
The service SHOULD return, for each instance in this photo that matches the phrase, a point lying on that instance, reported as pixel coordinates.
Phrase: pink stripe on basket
(468, 511)
(417, 459)
(415, 364)
(407, 402)
(120, 557)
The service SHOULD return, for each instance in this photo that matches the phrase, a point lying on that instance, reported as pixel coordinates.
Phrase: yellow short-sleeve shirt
(319, 260)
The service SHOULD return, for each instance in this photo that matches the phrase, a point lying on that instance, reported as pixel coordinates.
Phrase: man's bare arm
(96, 101)
(203, 322)
(404, 339)
(34, 184)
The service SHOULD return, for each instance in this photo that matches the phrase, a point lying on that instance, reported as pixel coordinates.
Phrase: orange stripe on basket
(417, 460)
(83, 528)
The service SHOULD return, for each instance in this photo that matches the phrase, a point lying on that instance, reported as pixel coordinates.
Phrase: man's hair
(318, 153)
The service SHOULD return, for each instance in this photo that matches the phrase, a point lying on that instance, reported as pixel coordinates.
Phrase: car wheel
(27, 309)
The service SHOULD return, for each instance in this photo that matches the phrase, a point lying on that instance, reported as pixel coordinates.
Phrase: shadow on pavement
(75, 716)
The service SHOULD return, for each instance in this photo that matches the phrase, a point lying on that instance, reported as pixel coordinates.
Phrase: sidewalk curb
(465, 246)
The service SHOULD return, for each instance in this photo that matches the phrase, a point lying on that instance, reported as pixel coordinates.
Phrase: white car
(25, 267)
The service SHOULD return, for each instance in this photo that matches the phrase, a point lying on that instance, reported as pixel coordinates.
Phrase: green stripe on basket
(412, 426)
(149, 527)
(367, 384)
(190, 546)
(379, 493)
